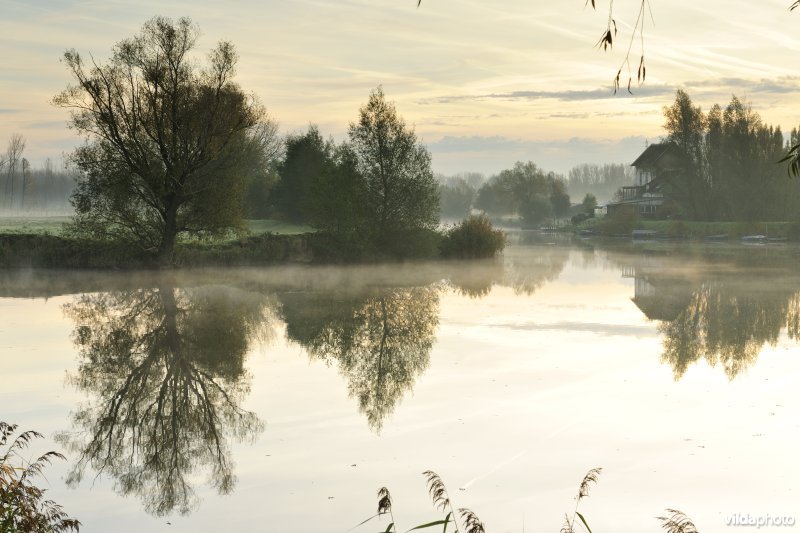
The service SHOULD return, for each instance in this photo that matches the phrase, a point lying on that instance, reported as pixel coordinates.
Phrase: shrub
(622, 222)
(473, 238)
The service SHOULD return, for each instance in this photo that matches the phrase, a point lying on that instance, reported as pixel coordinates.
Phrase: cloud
(603, 93)
(780, 85)
(8, 111)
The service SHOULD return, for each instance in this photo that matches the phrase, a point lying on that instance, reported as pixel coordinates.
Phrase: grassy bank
(55, 251)
(38, 241)
(688, 229)
(42, 243)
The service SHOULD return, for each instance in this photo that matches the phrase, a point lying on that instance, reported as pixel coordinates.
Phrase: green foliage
(22, 504)
(338, 199)
(401, 195)
(456, 197)
(792, 157)
(306, 157)
(473, 238)
(622, 222)
(589, 204)
(525, 190)
(727, 169)
(171, 145)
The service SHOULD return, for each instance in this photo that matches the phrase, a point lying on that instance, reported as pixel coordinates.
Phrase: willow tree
(170, 142)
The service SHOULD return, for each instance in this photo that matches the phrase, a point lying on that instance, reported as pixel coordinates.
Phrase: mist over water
(195, 397)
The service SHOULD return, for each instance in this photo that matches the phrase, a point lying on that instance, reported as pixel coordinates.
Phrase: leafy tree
(338, 199)
(401, 194)
(306, 157)
(685, 126)
(456, 197)
(496, 197)
(559, 198)
(170, 144)
(527, 191)
(589, 204)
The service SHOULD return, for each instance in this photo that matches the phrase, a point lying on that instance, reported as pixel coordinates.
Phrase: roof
(652, 153)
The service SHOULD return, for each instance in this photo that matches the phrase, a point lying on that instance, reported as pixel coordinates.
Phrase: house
(653, 167)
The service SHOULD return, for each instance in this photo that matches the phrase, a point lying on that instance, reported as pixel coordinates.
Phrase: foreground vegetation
(467, 521)
(23, 507)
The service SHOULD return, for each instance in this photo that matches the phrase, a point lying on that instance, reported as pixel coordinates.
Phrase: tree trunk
(166, 251)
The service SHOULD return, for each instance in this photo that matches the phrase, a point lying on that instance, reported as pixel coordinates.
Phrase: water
(282, 399)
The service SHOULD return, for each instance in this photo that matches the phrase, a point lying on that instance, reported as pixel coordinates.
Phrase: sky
(485, 83)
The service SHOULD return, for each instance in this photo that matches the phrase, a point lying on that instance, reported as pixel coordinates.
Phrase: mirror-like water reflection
(165, 394)
(164, 369)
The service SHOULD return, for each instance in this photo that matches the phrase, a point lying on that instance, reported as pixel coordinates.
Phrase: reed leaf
(584, 522)
(431, 524)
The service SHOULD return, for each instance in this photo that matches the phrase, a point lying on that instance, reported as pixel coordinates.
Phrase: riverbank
(45, 246)
(686, 229)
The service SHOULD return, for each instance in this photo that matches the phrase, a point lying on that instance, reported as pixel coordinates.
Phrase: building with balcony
(653, 168)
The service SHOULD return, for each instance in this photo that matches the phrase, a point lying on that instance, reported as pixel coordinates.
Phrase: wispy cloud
(781, 85)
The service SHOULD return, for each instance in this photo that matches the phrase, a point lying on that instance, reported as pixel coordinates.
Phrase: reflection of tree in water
(529, 269)
(721, 310)
(723, 326)
(475, 278)
(381, 342)
(165, 368)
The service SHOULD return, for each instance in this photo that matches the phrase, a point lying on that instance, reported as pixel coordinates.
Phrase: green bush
(473, 238)
(623, 222)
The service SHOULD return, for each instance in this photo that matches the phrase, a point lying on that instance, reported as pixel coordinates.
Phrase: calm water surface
(282, 399)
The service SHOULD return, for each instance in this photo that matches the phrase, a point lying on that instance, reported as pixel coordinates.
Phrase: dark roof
(652, 153)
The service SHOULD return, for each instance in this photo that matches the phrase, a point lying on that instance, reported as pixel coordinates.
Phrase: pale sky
(485, 82)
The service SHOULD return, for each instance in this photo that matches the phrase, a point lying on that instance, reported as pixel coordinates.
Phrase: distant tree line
(600, 181)
(24, 190)
(729, 167)
(533, 195)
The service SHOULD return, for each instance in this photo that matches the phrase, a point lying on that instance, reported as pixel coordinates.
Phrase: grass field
(257, 227)
(39, 225)
(32, 225)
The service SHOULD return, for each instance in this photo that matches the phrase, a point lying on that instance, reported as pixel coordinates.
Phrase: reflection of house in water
(657, 295)
(719, 312)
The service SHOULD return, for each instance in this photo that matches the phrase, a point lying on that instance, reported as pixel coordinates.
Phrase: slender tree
(402, 195)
